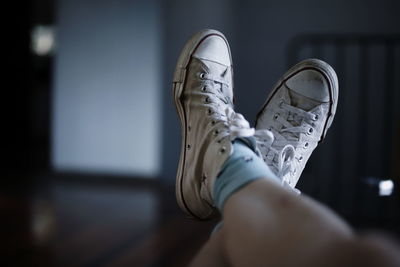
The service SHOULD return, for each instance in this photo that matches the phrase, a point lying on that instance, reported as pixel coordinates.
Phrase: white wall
(106, 113)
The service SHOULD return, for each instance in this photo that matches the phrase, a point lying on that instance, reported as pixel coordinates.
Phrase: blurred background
(92, 138)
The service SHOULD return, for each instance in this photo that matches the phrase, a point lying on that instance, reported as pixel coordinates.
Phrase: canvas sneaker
(295, 118)
(202, 88)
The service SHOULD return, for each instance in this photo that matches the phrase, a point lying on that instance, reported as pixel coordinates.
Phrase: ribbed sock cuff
(241, 168)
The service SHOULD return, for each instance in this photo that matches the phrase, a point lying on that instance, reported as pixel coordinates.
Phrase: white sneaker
(203, 95)
(296, 117)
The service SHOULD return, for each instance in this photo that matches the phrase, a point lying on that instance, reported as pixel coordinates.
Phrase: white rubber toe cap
(311, 84)
(214, 48)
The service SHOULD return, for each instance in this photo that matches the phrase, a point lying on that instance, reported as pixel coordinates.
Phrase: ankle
(241, 168)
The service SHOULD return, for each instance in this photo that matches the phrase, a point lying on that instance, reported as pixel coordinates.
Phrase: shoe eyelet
(207, 100)
(188, 147)
(276, 116)
(202, 75)
(216, 132)
(189, 128)
(223, 149)
(306, 145)
(316, 117)
(204, 88)
(280, 104)
(209, 111)
(213, 122)
(301, 159)
(310, 130)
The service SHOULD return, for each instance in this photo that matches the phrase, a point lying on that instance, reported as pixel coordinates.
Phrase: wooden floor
(94, 222)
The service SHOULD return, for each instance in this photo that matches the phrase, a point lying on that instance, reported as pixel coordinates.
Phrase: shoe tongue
(221, 71)
(215, 67)
(302, 102)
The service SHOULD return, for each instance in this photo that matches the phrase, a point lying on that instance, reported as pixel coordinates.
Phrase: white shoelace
(298, 122)
(238, 125)
(286, 157)
(281, 144)
(284, 163)
(232, 124)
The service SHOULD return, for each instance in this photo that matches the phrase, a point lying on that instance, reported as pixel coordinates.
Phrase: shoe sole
(178, 86)
(327, 71)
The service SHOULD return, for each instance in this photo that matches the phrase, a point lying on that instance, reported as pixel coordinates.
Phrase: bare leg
(266, 225)
(276, 227)
(212, 254)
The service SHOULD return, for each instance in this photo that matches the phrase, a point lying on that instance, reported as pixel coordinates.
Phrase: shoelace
(229, 122)
(298, 122)
(285, 156)
(237, 124)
